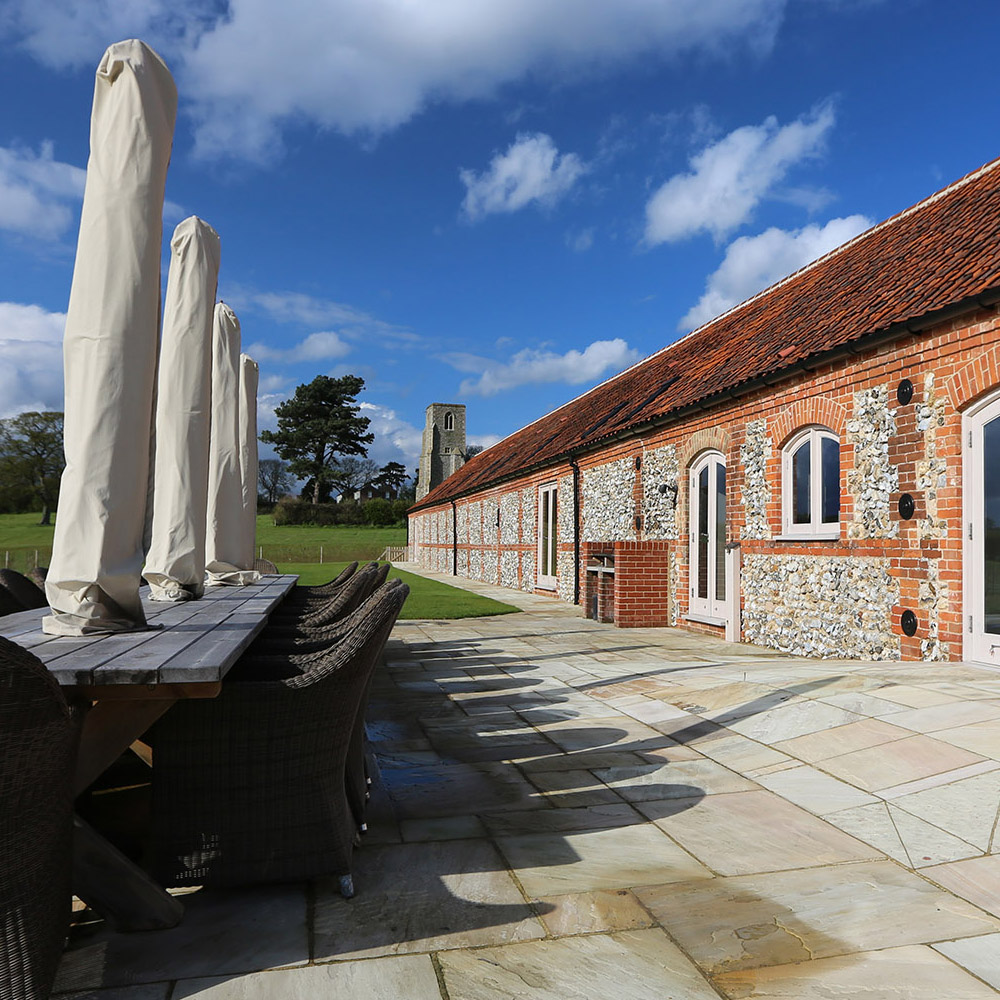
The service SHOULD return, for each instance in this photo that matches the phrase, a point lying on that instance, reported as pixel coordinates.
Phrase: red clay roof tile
(943, 250)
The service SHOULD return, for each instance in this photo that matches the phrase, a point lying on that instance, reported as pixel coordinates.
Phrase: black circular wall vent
(909, 622)
(904, 392)
(906, 506)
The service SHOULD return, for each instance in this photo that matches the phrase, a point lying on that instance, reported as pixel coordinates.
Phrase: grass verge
(428, 598)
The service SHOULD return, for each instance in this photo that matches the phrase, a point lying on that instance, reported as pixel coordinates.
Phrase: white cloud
(38, 194)
(307, 310)
(396, 440)
(580, 241)
(31, 369)
(728, 179)
(322, 346)
(752, 263)
(368, 66)
(532, 169)
(534, 366)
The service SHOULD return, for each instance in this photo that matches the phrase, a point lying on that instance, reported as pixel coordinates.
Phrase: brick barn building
(816, 470)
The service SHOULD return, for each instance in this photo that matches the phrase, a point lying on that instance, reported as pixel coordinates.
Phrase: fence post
(260, 552)
(36, 558)
(321, 554)
(6, 559)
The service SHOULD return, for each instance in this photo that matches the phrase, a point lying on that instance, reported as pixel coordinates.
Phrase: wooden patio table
(122, 683)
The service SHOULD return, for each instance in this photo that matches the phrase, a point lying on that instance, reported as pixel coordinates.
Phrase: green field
(295, 549)
(428, 598)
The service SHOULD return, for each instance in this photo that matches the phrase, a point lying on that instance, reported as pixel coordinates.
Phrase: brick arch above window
(814, 411)
(975, 379)
(708, 439)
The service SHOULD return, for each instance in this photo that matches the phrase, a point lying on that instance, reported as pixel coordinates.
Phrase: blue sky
(493, 202)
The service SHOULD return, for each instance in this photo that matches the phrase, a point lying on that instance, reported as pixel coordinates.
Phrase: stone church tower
(443, 449)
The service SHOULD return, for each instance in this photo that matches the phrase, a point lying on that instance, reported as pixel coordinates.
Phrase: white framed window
(548, 537)
(449, 421)
(810, 485)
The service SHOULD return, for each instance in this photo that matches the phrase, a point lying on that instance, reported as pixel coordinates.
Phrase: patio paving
(566, 810)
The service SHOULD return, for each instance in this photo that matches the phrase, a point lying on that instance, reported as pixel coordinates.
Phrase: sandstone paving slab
(790, 721)
(901, 760)
(409, 976)
(980, 955)
(593, 912)
(640, 965)
(422, 897)
(605, 816)
(981, 738)
(602, 733)
(949, 716)
(223, 932)
(572, 788)
(834, 742)
(872, 824)
(975, 879)
(740, 753)
(550, 864)
(965, 808)
(910, 973)
(910, 695)
(458, 789)
(148, 991)
(863, 703)
(441, 828)
(814, 790)
(752, 921)
(727, 695)
(672, 780)
(937, 780)
(740, 833)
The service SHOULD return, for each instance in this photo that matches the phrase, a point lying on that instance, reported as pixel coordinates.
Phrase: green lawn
(428, 598)
(296, 549)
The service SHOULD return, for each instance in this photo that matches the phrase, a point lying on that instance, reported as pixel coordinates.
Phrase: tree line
(321, 440)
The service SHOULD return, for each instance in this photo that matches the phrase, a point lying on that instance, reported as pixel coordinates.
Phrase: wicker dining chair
(249, 787)
(296, 618)
(37, 752)
(265, 663)
(23, 590)
(321, 589)
(265, 566)
(37, 576)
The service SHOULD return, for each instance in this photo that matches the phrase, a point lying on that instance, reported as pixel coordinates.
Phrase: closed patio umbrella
(175, 562)
(224, 545)
(249, 377)
(109, 350)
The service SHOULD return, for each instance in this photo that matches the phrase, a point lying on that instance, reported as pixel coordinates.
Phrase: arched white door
(981, 562)
(707, 536)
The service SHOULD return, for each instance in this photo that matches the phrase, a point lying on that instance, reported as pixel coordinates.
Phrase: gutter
(865, 343)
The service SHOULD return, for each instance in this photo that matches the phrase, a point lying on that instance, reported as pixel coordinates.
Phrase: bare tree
(273, 479)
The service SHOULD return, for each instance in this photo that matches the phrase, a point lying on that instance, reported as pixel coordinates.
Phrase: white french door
(981, 534)
(707, 536)
(548, 537)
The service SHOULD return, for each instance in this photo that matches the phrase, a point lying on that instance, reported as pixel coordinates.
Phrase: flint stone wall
(755, 452)
(608, 504)
(872, 479)
(838, 606)
(659, 510)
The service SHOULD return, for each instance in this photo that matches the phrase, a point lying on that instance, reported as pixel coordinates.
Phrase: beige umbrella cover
(175, 562)
(224, 541)
(249, 377)
(109, 349)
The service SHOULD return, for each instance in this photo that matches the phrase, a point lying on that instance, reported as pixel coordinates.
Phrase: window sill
(705, 619)
(819, 536)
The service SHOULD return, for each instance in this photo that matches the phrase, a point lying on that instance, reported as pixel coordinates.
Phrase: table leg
(117, 889)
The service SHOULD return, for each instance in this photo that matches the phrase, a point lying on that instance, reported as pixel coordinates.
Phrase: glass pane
(991, 526)
(801, 506)
(702, 585)
(831, 480)
(720, 533)
(544, 528)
